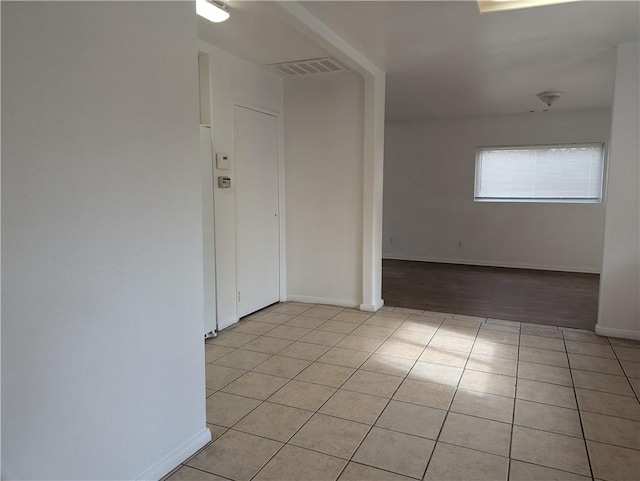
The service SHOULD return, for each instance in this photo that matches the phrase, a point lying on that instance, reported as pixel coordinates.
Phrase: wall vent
(314, 66)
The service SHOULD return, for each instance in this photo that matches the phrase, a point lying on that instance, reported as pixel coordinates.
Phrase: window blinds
(562, 173)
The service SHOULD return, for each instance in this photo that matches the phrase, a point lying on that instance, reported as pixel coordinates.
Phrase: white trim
(372, 307)
(227, 322)
(622, 333)
(472, 262)
(322, 300)
(177, 456)
(282, 211)
(234, 172)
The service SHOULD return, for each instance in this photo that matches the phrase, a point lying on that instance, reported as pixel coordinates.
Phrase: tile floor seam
(266, 437)
(575, 436)
(547, 382)
(591, 355)
(636, 394)
(268, 460)
(403, 432)
(513, 414)
(475, 416)
(325, 345)
(598, 390)
(222, 387)
(251, 434)
(204, 471)
(342, 365)
(343, 419)
(304, 424)
(356, 369)
(360, 463)
(290, 357)
(248, 370)
(274, 454)
(249, 397)
(557, 469)
(253, 398)
(611, 444)
(319, 383)
(424, 474)
(575, 395)
(599, 372)
(284, 443)
(610, 415)
(333, 318)
(471, 449)
(382, 411)
(288, 442)
(317, 411)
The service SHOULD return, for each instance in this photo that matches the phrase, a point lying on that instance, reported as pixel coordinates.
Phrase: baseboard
(322, 300)
(372, 307)
(470, 262)
(227, 322)
(609, 332)
(178, 456)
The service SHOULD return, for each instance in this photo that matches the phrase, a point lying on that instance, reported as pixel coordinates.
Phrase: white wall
(619, 308)
(102, 353)
(372, 137)
(233, 80)
(429, 187)
(323, 125)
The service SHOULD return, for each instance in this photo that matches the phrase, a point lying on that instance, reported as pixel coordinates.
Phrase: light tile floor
(300, 392)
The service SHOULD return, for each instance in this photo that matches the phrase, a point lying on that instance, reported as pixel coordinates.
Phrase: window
(550, 173)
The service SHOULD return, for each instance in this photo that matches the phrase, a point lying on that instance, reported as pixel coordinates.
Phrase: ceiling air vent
(314, 66)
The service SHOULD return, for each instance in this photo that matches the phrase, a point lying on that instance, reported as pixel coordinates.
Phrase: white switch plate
(224, 182)
(222, 162)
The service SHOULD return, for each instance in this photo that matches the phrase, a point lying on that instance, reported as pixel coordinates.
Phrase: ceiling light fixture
(549, 97)
(211, 10)
(488, 6)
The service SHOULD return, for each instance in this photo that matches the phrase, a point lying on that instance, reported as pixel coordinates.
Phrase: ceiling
(255, 34)
(443, 59)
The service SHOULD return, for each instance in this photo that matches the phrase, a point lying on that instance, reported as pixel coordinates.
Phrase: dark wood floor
(546, 297)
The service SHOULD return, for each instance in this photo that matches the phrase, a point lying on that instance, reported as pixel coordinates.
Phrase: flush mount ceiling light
(211, 10)
(549, 97)
(487, 6)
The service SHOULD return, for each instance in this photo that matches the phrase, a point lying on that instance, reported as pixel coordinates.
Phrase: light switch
(222, 162)
(224, 182)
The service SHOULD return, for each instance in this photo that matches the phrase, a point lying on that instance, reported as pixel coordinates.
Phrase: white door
(257, 216)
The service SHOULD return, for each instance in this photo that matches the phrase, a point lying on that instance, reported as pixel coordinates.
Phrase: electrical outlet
(392, 240)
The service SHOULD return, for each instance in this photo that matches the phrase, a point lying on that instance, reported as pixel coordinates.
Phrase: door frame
(281, 195)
